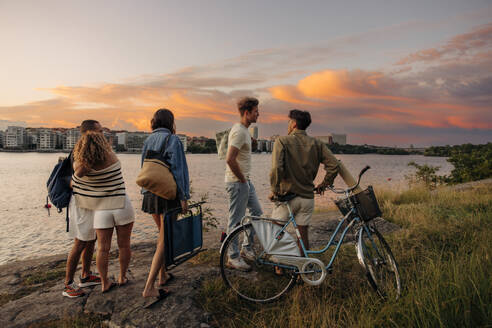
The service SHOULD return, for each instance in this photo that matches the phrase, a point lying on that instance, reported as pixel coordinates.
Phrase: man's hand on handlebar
(320, 189)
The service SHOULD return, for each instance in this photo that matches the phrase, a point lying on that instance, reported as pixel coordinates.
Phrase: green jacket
(295, 163)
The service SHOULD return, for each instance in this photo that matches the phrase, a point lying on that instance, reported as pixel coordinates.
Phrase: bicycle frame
(330, 243)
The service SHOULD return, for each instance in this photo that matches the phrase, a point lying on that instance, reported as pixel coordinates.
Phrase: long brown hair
(92, 149)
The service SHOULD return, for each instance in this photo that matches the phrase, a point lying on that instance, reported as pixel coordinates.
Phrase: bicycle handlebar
(349, 189)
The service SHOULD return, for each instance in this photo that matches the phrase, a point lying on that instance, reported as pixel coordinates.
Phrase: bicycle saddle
(285, 198)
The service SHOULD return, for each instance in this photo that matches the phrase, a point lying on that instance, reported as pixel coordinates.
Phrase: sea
(27, 231)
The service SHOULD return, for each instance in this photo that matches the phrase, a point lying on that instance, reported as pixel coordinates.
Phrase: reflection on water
(28, 231)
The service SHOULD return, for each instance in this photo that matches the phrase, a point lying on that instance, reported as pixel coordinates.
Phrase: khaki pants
(302, 209)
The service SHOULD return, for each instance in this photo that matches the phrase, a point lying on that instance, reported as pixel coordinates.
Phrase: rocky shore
(31, 290)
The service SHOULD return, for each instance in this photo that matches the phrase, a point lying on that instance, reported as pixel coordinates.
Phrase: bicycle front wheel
(379, 263)
(257, 281)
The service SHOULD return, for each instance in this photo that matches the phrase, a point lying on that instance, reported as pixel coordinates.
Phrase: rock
(13, 280)
(123, 306)
(39, 307)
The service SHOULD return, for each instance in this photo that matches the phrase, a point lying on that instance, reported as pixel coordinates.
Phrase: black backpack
(59, 191)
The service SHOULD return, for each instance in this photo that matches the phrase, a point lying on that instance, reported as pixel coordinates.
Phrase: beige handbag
(155, 175)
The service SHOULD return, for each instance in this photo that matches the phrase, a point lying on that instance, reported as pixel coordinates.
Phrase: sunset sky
(383, 72)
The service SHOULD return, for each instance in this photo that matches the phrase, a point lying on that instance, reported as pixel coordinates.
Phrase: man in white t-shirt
(240, 189)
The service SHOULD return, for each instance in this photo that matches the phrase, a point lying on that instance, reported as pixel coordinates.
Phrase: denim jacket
(175, 156)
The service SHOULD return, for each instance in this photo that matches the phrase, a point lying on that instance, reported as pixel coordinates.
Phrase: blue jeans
(241, 196)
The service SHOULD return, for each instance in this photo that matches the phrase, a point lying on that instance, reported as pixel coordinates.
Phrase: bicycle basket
(366, 204)
(343, 205)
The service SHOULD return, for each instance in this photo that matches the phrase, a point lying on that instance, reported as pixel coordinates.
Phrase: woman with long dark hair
(163, 126)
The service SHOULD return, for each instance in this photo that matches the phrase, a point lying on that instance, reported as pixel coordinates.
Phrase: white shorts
(81, 222)
(104, 219)
(302, 208)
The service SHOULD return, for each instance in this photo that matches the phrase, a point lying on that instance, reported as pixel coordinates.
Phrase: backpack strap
(67, 218)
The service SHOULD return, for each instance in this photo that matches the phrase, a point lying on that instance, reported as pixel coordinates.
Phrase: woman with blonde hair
(99, 191)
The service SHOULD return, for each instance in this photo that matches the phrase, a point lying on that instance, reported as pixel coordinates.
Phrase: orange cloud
(430, 124)
(377, 96)
(290, 94)
(328, 85)
(467, 124)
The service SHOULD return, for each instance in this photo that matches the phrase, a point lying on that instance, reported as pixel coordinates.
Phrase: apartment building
(71, 137)
(47, 139)
(15, 137)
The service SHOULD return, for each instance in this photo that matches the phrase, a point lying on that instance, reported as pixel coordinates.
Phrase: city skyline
(414, 73)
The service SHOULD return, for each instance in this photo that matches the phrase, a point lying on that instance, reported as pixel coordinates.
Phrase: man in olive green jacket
(295, 163)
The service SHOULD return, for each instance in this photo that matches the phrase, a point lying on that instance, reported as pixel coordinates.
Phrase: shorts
(104, 219)
(80, 222)
(302, 208)
(154, 204)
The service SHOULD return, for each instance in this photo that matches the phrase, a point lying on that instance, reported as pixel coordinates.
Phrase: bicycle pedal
(329, 270)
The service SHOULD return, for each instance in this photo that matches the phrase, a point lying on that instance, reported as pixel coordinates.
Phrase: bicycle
(277, 262)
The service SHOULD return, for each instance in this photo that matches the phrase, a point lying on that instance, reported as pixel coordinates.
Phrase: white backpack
(222, 140)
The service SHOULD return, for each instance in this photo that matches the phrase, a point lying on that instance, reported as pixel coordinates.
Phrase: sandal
(124, 283)
(111, 287)
(154, 300)
(168, 280)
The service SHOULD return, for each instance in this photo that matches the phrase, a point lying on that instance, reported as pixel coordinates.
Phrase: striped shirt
(100, 190)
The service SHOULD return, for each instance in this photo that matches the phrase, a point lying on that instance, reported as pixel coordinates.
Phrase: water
(27, 230)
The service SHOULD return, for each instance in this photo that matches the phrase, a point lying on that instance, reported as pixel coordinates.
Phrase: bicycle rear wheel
(379, 263)
(260, 283)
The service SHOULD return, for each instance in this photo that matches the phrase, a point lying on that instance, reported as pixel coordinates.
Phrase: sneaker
(90, 280)
(238, 264)
(72, 291)
(248, 254)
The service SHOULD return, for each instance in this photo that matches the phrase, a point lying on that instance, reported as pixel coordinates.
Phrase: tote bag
(155, 175)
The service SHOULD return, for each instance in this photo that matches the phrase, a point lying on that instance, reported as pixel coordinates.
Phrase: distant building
(253, 131)
(261, 145)
(2, 135)
(32, 138)
(60, 139)
(15, 137)
(332, 138)
(135, 140)
(71, 137)
(340, 139)
(265, 146)
(184, 141)
(202, 141)
(47, 139)
(121, 138)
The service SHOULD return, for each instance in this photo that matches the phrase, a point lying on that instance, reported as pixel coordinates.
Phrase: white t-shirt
(240, 138)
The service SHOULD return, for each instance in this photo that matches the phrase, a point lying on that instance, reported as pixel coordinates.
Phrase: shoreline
(31, 289)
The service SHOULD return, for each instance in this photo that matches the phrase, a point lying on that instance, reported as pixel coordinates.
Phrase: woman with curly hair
(99, 193)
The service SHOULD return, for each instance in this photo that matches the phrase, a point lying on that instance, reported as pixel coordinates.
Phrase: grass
(444, 255)
(209, 256)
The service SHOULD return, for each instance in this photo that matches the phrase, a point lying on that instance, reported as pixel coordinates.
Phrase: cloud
(446, 101)
(460, 45)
